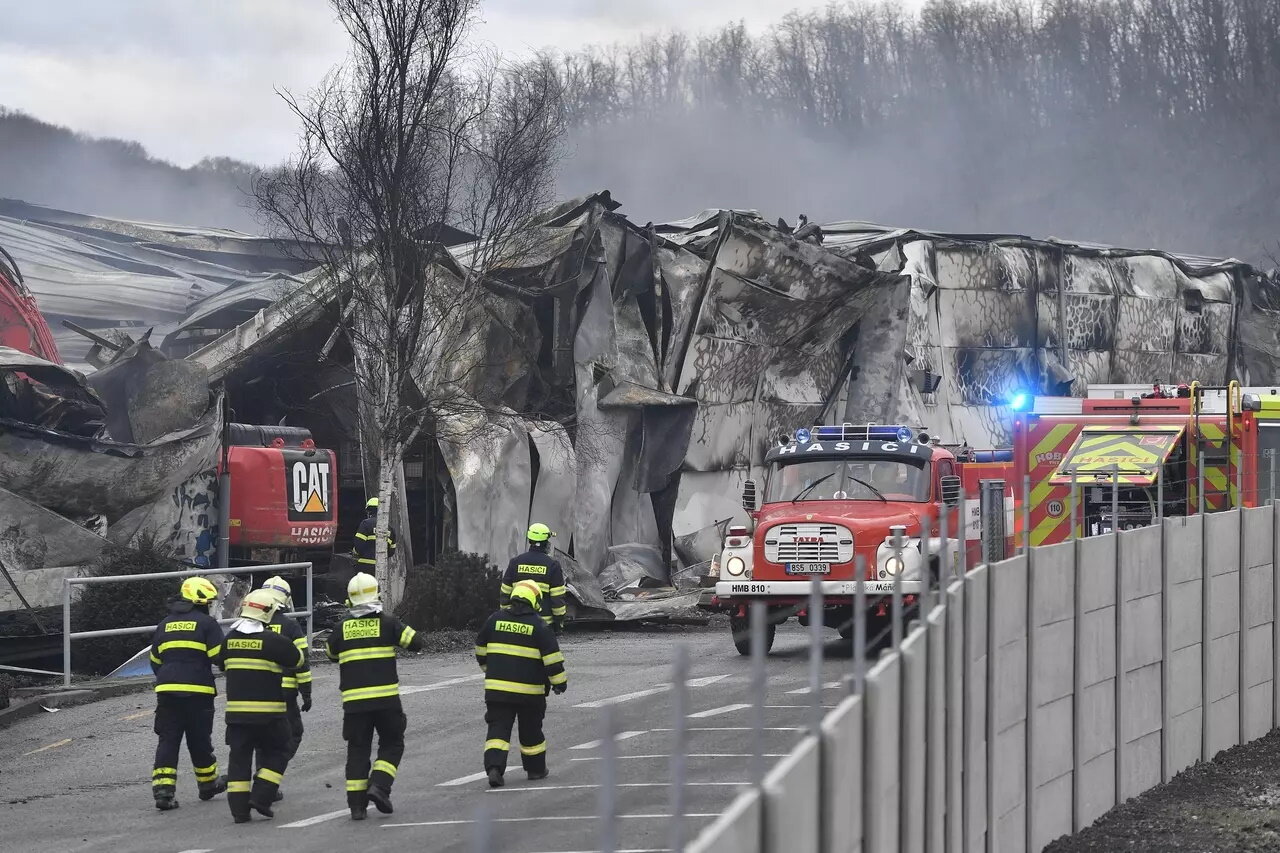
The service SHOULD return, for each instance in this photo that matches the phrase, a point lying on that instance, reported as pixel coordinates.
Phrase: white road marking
(312, 821)
(543, 818)
(794, 707)
(201, 850)
(626, 850)
(592, 744)
(690, 755)
(737, 729)
(640, 694)
(523, 789)
(423, 688)
(830, 685)
(715, 712)
(464, 780)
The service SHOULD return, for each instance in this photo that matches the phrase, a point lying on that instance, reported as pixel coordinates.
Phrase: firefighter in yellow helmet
(365, 547)
(183, 649)
(255, 659)
(522, 663)
(364, 645)
(295, 682)
(537, 565)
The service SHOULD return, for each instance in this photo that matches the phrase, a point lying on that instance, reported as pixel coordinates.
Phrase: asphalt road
(79, 779)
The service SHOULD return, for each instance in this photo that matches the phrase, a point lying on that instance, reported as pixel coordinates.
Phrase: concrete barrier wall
(1183, 638)
(1094, 774)
(842, 776)
(1007, 703)
(1051, 665)
(1038, 693)
(1221, 695)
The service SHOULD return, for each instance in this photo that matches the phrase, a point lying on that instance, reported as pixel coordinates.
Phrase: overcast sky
(194, 78)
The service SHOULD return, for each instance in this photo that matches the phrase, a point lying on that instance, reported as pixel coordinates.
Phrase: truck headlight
(906, 562)
(735, 567)
(893, 565)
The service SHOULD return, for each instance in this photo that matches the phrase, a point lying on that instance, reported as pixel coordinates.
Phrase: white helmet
(281, 589)
(259, 605)
(362, 589)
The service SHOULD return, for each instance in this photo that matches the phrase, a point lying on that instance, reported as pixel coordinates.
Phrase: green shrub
(122, 605)
(458, 593)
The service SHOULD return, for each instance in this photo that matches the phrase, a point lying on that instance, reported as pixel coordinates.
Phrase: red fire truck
(831, 498)
(1139, 452)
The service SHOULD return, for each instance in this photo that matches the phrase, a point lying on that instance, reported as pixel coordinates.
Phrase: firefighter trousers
(358, 729)
(294, 717)
(179, 717)
(533, 745)
(270, 740)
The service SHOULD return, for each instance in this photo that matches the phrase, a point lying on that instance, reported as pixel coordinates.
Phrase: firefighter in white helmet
(296, 682)
(364, 645)
(256, 659)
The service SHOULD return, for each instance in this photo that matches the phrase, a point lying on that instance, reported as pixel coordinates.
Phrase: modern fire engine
(837, 497)
(1137, 453)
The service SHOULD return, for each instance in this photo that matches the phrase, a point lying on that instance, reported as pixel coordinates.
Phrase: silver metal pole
(926, 592)
(680, 747)
(896, 616)
(945, 557)
(188, 573)
(1026, 513)
(759, 613)
(66, 632)
(860, 626)
(1199, 476)
(311, 607)
(222, 550)
(1071, 527)
(1272, 491)
(1115, 498)
(482, 828)
(1160, 497)
(815, 653)
(608, 782)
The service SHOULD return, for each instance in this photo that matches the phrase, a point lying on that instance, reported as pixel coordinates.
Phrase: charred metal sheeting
(79, 474)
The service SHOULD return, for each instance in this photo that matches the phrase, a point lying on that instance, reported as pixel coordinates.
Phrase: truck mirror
(749, 496)
(1251, 403)
(950, 487)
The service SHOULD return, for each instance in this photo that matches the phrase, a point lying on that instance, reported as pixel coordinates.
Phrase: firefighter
(367, 542)
(364, 645)
(296, 682)
(183, 650)
(256, 659)
(536, 565)
(522, 663)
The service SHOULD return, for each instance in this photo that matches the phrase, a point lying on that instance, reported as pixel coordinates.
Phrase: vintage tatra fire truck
(832, 498)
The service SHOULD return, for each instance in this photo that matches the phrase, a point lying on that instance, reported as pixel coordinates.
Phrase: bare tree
(415, 141)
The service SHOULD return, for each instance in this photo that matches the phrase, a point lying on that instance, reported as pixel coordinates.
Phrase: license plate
(808, 568)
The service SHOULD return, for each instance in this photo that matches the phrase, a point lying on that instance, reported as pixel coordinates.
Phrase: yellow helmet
(259, 605)
(372, 503)
(198, 590)
(527, 590)
(362, 589)
(279, 587)
(539, 532)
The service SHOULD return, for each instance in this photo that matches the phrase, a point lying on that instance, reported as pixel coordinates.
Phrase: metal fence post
(815, 653)
(1115, 500)
(1071, 529)
(680, 748)
(860, 627)
(1026, 513)
(66, 632)
(926, 576)
(896, 617)
(1272, 491)
(759, 614)
(311, 606)
(482, 829)
(944, 522)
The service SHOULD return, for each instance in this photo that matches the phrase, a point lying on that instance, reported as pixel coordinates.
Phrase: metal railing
(68, 635)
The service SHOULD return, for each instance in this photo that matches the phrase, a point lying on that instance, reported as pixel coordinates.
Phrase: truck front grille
(808, 543)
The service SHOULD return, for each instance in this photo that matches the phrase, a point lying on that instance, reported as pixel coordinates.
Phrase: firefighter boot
(358, 802)
(209, 790)
(278, 797)
(495, 778)
(166, 801)
(535, 775)
(381, 798)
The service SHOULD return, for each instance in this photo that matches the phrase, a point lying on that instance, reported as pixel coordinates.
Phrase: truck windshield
(849, 480)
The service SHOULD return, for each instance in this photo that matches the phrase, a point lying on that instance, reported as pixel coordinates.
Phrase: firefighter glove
(306, 701)
(559, 688)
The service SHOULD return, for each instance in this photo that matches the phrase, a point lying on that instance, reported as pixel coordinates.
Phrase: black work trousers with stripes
(178, 717)
(358, 729)
(501, 716)
(269, 739)
(294, 717)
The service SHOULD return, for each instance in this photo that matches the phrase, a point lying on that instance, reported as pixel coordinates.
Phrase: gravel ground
(1229, 804)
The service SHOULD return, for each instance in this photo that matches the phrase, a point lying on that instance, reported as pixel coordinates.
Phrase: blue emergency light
(1019, 401)
(876, 432)
(802, 436)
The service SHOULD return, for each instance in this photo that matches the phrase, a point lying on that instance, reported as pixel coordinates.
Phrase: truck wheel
(741, 630)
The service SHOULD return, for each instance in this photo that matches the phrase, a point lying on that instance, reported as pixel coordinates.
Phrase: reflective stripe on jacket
(297, 680)
(536, 566)
(519, 655)
(255, 665)
(366, 544)
(364, 646)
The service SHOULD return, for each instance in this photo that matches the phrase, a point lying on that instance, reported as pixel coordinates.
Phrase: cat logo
(308, 486)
